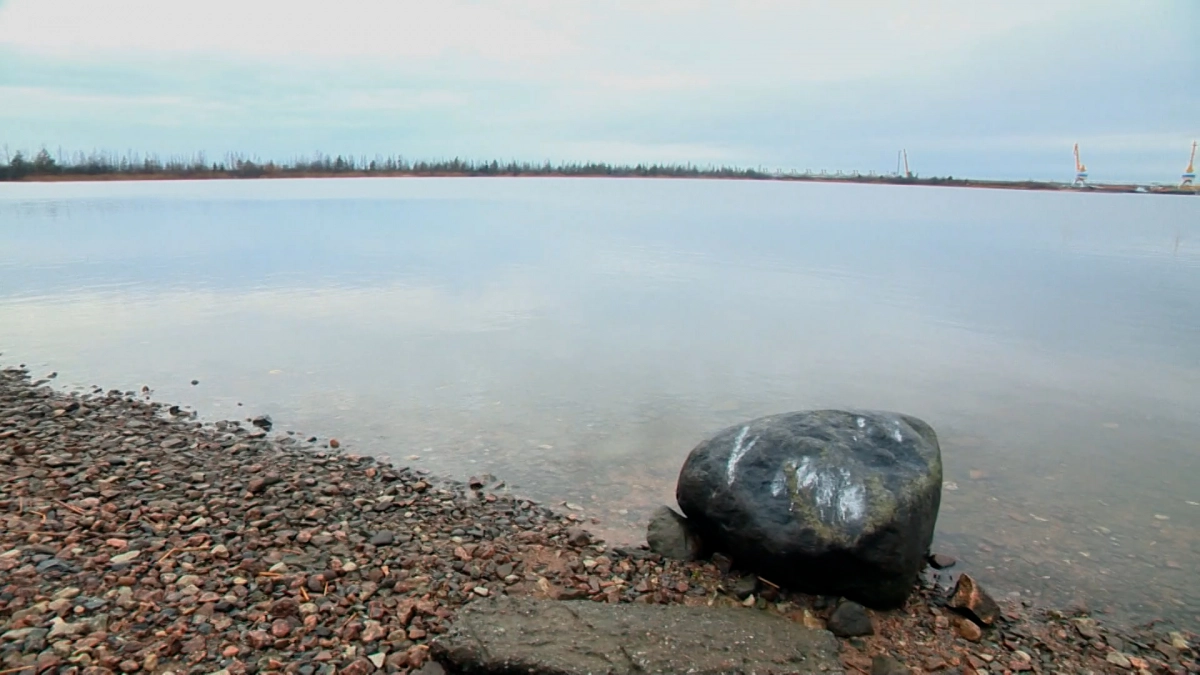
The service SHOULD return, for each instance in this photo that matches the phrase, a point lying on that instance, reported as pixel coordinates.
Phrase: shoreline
(137, 539)
(1027, 185)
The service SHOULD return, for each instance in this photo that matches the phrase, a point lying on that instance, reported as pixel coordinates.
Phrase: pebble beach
(135, 538)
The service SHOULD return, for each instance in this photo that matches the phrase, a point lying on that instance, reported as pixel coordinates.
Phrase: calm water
(578, 337)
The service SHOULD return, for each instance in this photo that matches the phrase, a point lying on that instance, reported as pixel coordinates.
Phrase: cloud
(1129, 142)
(296, 28)
(31, 100)
(977, 88)
(393, 100)
(647, 153)
(648, 82)
(680, 45)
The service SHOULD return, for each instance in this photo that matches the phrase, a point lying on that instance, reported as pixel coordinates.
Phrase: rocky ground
(133, 538)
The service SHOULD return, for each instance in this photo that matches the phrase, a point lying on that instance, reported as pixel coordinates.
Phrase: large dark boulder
(829, 502)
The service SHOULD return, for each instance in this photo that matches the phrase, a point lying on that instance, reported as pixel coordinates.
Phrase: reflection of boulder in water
(829, 502)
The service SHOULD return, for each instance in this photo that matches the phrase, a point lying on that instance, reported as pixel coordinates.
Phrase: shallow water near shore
(577, 338)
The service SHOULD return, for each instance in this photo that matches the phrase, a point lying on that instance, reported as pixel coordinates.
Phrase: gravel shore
(136, 539)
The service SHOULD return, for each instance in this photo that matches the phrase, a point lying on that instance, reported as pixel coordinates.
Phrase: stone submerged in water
(970, 599)
(829, 502)
(543, 637)
(670, 536)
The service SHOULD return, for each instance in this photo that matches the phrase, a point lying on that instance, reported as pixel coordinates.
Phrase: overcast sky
(982, 89)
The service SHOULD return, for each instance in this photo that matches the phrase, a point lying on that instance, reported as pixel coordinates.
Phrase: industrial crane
(1080, 170)
(1189, 174)
(903, 154)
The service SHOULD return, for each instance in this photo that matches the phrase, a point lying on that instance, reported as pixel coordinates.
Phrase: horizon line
(96, 164)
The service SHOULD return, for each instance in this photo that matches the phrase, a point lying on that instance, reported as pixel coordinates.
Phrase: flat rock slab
(510, 636)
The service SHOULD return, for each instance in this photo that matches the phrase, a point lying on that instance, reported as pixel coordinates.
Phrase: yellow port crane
(1189, 174)
(1080, 170)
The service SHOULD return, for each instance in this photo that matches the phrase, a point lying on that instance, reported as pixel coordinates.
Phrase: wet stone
(577, 536)
(382, 538)
(259, 639)
(670, 535)
(61, 628)
(194, 645)
(743, 586)
(888, 665)
(35, 641)
(284, 607)
(361, 666)
(967, 629)
(531, 636)
(940, 561)
(850, 619)
(1118, 659)
(831, 502)
(970, 599)
(53, 565)
(430, 668)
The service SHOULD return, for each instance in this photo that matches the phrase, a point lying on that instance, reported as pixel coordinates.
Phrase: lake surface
(577, 337)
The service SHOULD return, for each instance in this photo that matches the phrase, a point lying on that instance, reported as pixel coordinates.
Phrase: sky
(970, 88)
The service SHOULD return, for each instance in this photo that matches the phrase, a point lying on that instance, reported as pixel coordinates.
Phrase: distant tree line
(18, 166)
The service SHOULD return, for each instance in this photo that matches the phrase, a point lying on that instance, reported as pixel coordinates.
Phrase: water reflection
(577, 338)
